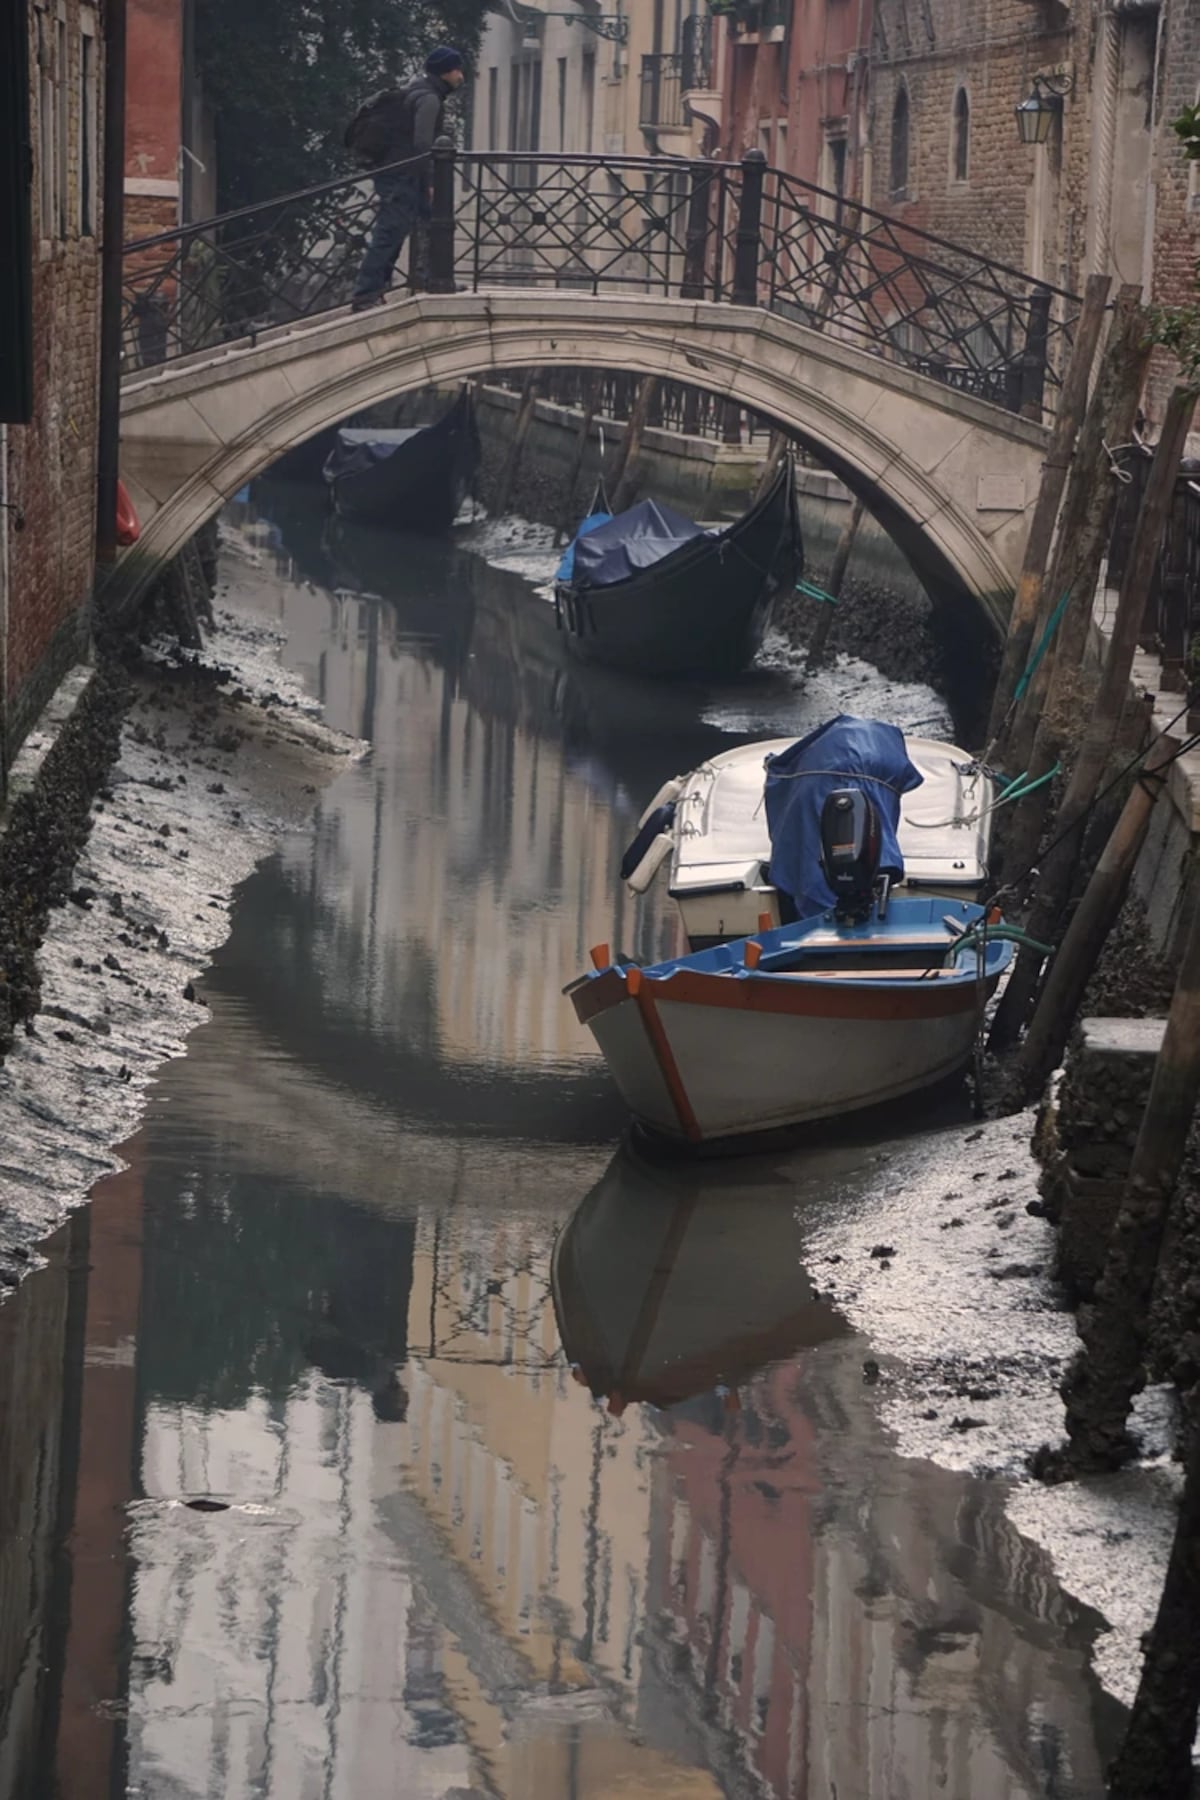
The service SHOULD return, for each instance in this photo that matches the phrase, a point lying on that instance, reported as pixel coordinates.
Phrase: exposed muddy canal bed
(386, 1426)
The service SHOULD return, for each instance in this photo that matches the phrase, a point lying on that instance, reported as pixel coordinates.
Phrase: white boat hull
(752, 1061)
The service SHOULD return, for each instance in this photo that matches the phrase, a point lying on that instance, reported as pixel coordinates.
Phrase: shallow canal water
(388, 1429)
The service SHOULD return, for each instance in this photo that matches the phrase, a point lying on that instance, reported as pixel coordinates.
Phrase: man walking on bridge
(400, 123)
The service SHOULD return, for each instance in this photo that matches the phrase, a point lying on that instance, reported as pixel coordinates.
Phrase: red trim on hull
(794, 996)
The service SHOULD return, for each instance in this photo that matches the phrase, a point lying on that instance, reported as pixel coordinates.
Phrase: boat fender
(670, 790)
(129, 529)
(644, 856)
(651, 863)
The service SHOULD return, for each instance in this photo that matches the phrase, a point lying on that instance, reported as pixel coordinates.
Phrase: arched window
(962, 135)
(900, 142)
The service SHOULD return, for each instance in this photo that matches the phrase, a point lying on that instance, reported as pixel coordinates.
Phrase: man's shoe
(361, 302)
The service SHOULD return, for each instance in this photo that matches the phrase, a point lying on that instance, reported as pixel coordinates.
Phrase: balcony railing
(662, 93)
(696, 53)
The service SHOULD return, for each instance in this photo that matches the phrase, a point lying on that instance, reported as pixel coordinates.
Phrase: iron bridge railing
(738, 232)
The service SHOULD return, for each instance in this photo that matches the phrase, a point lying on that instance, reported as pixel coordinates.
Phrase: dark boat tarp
(358, 449)
(846, 752)
(630, 542)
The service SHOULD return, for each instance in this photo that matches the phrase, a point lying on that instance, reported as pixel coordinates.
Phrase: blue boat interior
(917, 938)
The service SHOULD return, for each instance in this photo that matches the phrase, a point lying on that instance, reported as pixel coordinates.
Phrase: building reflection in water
(355, 1455)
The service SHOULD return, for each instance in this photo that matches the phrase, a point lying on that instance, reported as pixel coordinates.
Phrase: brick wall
(52, 460)
(1177, 209)
(990, 51)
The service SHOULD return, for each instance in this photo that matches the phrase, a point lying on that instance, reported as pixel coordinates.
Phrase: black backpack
(368, 135)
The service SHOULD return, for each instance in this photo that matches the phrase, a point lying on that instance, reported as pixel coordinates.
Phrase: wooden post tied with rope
(1072, 403)
(1086, 516)
(1059, 863)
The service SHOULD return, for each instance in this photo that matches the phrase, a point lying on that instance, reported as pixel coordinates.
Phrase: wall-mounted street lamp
(1036, 115)
(614, 28)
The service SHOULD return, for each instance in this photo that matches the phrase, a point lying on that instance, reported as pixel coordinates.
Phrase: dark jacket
(412, 117)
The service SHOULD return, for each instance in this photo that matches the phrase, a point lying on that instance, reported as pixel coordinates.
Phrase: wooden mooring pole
(626, 470)
(1103, 722)
(836, 577)
(1093, 919)
(1072, 403)
(590, 405)
(1086, 518)
(1108, 1373)
(1156, 1757)
(511, 469)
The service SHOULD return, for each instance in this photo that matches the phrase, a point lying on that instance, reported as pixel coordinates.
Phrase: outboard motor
(851, 842)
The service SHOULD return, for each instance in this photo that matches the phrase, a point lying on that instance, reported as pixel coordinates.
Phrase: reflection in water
(390, 1436)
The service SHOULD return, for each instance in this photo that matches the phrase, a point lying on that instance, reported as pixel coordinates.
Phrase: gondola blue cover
(847, 752)
(593, 522)
(630, 542)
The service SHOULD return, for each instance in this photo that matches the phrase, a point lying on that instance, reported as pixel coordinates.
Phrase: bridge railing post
(748, 241)
(441, 219)
(695, 255)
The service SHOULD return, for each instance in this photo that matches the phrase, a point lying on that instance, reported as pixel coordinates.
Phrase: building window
(962, 135)
(88, 113)
(493, 142)
(562, 102)
(588, 86)
(47, 125)
(62, 159)
(900, 145)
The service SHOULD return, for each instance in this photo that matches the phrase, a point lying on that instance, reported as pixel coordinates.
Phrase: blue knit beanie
(442, 60)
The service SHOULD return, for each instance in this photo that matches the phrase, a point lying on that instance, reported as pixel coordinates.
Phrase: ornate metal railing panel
(650, 225)
(614, 224)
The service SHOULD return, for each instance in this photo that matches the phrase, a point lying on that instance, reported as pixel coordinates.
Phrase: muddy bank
(44, 834)
(179, 777)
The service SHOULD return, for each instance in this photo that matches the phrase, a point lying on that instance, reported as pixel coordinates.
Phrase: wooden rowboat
(800, 1023)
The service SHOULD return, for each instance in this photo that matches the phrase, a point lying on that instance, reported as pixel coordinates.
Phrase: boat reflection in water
(833, 1618)
(668, 1284)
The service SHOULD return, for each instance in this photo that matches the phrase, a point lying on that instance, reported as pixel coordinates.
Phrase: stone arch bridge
(921, 374)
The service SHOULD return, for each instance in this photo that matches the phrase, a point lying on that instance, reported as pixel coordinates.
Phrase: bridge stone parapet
(953, 478)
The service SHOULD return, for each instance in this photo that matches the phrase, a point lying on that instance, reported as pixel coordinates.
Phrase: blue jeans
(401, 204)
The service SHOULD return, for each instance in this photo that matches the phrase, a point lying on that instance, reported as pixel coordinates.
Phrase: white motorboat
(711, 828)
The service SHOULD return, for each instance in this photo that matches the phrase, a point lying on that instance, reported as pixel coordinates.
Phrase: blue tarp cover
(593, 522)
(847, 752)
(630, 542)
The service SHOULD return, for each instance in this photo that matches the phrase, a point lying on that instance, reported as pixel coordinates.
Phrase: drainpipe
(1151, 211)
(108, 434)
(1105, 141)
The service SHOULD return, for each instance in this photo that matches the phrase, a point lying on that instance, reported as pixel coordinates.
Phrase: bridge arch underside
(950, 478)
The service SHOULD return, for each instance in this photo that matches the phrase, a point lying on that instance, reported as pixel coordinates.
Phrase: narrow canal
(414, 1440)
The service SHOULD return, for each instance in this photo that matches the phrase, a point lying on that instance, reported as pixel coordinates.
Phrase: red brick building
(170, 170)
(51, 126)
(797, 88)
(1108, 191)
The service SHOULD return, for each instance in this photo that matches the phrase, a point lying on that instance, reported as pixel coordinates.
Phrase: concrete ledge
(40, 740)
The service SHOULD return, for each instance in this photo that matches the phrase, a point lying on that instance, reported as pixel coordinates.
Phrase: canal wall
(700, 476)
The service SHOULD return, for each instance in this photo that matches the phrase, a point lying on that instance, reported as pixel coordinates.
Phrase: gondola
(416, 479)
(653, 593)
